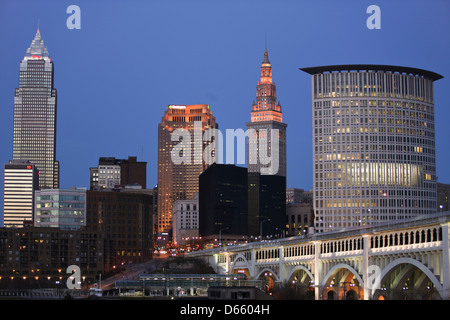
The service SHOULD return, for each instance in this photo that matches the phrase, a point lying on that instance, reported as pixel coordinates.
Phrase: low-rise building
(185, 220)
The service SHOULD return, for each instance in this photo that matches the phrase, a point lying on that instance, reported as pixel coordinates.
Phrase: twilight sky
(130, 59)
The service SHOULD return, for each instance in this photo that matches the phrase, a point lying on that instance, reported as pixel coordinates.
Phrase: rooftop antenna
(38, 25)
(265, 40)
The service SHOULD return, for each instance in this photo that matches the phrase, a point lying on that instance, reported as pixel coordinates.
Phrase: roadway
(132, 272)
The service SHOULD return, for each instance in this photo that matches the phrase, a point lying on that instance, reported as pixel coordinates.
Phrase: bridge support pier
(445, 294)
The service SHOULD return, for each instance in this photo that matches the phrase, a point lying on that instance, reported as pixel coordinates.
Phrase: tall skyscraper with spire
(34, 136)
(266, 116)
(266, 158)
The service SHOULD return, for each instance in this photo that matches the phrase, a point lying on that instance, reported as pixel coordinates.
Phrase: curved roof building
(373, 144)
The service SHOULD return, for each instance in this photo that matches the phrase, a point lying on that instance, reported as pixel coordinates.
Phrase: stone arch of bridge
(343, 286)
(240, 262)
(295, 269)
(268, 272)
(401, 275)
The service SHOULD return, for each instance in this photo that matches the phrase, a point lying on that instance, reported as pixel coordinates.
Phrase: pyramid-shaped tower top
(37, 49)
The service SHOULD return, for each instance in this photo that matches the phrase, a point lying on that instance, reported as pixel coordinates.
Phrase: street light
(260, 228)
(281, 231)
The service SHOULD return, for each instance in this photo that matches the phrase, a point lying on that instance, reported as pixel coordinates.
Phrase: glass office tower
(373, 144)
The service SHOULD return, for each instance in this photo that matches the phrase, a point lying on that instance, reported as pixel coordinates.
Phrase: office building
(185, 220)
(34, 136)
(266, 124)
(178, 180)
(60, 208)
(298, 196)
(21, 180)
(443, 193)
(123, 217)
(373, 144)
(266, 205)
(223, 201)
(299, 218)
(112, 172)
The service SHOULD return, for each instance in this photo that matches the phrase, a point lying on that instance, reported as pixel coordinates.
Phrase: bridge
(401, 260)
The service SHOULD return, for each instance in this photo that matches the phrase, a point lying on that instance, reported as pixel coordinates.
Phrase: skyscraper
(373, 144)
(179, 180)
(266, 158)
(266, 116)
(34, 136)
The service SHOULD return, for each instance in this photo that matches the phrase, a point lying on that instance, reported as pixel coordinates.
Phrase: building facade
(267, 132)
(298, 195)
(373, 144)
(34, 136)
(60, 208)
(124, 219)
(38, 257)
(185, 220)
(112, 172)
(299, 218)
(178, 180)
(443, 194)
(266, 205)
(223, 201)
(21, 180)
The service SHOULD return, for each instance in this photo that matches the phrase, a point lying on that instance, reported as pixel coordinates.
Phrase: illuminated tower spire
(266, 115)
(266, 157)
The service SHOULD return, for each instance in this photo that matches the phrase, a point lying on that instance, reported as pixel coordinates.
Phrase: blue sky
(130, 59)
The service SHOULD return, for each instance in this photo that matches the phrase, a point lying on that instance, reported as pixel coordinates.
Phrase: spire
(37, 47)
(266, 57)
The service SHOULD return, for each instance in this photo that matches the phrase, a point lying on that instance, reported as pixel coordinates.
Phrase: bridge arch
(298, 268)
(241, 263)
(268, 272)
(401, 275)
(343, 286)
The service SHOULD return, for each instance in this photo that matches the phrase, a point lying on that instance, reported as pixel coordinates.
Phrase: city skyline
(117, 74)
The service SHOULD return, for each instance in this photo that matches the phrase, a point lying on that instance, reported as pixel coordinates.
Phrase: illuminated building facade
(179, 181)
(20, 184)
(60, 208)
(38, 257)
(34, 136)
(266, 116)
(266, 159)
(373, 144)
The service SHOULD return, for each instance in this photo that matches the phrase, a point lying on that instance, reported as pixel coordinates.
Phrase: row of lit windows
(372, 84)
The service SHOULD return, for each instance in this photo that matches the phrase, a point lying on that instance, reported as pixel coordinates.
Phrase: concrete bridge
(402, 260)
